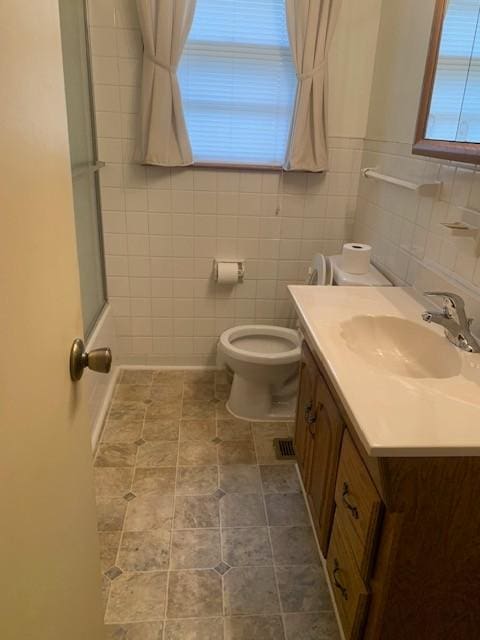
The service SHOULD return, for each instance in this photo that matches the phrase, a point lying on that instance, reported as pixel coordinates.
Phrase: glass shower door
(83, 155)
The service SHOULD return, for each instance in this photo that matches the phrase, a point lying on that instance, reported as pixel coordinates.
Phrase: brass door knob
(99, 360)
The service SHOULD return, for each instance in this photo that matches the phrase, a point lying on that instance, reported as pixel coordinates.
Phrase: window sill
(237, 166)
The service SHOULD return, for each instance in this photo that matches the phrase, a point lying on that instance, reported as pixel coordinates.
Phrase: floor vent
(284, 448)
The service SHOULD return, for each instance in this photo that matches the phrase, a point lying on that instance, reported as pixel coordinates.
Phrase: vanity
(388, 447)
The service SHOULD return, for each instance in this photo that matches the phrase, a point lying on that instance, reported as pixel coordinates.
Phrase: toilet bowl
(264, 360)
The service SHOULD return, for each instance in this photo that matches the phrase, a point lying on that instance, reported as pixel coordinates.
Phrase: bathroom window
(238, 82)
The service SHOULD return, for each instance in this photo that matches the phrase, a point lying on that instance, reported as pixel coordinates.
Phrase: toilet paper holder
(240, 264)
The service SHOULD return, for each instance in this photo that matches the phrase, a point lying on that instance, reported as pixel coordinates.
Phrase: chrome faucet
(453, 319)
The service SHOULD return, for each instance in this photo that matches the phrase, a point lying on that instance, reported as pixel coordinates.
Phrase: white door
(49, 559)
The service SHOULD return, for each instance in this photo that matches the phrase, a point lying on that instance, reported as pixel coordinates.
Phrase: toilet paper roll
(356, 257)
(227, 272)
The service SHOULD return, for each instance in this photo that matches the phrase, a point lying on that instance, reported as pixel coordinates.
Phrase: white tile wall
(404, 228)
(163, 228)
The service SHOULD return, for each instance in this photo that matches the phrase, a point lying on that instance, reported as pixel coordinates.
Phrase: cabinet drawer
(351, 595)
(358, 505)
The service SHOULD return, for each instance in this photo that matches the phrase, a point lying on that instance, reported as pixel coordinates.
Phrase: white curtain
(163, 137)
(311, 24)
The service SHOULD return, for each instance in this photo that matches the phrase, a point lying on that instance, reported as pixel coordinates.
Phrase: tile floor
(204, 535)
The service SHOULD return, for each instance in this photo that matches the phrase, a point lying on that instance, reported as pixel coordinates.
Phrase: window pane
(454, 110)
(238, 82)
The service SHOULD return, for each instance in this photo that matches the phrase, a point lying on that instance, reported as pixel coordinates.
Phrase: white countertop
(396, 411)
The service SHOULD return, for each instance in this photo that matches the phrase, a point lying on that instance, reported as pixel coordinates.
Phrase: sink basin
(401, 347)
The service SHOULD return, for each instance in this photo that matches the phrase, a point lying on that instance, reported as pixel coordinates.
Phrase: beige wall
(351, 66)
(399, 65)
(409, 243)
(163, 228)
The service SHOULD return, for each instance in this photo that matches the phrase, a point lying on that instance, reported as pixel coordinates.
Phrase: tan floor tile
(114, 482)
(176, 419)
(195, 549)
(240, 478)
(236, 452)
(311, 626)
(196, 480)
(121, 431)
(136, 631)
(168, 377)
(149, 511)
(201, 393)
(198, 629)
(201, 377)
(234, 430)
(194, 410)
(135, 392)
(246, 547)
(197, 430)
(144, 550)
(120, 454)
(250, 590)
(164, 410)
(294, 545)
(196, 512)
(161, 430)
(109, 543)
(279, 479)
(110, 513)
(126, 411)
(221, 411)
(157, 453)
(222, 377)
(272, 429)
(286, 509)
(254, 628)
(194, 594)
(193, 453)
(137, 597)
(136, 376)
(242, 510)
(155, 479)
(303, 588)
(166, 394)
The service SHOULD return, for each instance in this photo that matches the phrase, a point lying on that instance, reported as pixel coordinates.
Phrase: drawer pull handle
(307, 410)
(353, 510)
(338, 584)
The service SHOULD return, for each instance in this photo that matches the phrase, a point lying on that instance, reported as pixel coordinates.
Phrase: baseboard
(322, 559)
(97, 427)
(160, 367)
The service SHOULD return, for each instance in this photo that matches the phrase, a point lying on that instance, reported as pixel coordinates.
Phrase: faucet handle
(452, 299)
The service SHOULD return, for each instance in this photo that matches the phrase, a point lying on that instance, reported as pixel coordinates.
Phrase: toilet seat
(262, 344)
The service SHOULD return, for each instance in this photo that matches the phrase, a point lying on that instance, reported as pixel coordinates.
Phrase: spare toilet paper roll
(356, 257)
(227, 272)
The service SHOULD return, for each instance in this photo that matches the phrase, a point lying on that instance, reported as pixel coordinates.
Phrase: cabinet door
(305, 407)
(327, 437)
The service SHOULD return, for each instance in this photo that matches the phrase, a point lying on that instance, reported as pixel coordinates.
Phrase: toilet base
(252, 400)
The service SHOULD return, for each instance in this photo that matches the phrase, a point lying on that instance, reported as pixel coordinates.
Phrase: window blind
(238, 82)
(455, 105)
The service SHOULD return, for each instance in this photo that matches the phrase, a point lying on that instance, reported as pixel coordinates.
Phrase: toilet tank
(371, 279)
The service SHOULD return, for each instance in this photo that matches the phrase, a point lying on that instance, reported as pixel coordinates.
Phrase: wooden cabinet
(350, 593)
(359, 506)
(400, 535)
(318, 439)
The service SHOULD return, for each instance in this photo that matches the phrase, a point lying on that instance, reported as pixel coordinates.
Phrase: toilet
(264, 359)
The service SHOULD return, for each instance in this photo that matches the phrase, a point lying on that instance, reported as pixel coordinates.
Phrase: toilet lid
(321, 270)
